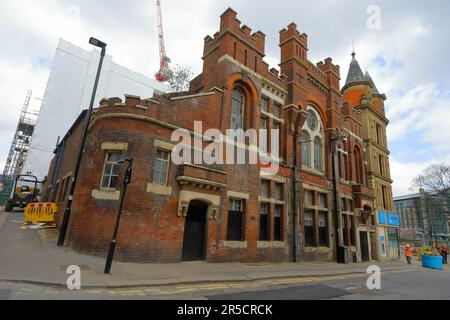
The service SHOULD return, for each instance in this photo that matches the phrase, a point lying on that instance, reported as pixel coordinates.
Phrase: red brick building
(224, 212)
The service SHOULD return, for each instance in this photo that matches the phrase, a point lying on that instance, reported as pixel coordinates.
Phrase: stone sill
(159, 189)
(317, 250)
(270, 244)
(106, 194)
(234, 244)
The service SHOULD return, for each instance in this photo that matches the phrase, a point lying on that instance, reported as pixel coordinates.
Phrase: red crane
(164, 73)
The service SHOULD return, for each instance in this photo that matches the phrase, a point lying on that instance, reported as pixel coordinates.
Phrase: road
(407, 285)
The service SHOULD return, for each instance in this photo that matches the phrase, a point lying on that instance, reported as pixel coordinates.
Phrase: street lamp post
(67, 211)
(126, 182)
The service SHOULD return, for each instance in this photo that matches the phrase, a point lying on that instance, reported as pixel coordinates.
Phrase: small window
(278, 214)
(265, 188)
(276, 110)
(323, 200)
(264, 143)
(309, 228)
(276, 143)
(110, 178)
(309, 195)
(323, 230)
(235, 220)
(263, 225)
(380, 162)
(344, 205)
(279, 191)
(263, 104)
(162, 164)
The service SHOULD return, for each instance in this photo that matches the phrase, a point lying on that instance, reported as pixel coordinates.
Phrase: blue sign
(382, 217)
(393, 219)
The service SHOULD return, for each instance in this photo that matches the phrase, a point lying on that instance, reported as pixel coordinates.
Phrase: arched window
(318, 154)
(306, 148)
(237, 109)
(313, 142)
(358, 166)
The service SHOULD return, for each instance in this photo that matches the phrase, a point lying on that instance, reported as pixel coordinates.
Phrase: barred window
(323, 229)
(235, 220)
(110, 177)
(309, 228)
(263, 222)
(161, 170)
(278, 222)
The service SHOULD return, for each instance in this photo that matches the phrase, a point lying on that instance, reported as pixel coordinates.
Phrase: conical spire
(355, 73)
(374, 87)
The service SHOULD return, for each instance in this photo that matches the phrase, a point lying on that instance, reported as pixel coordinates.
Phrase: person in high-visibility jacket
(409, 253)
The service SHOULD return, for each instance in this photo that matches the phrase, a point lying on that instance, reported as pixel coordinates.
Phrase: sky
(405, 45)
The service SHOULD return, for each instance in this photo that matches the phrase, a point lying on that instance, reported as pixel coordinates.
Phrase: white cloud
(411, 42)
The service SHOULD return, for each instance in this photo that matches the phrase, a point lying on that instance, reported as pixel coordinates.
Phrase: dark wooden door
(194, 232)
(364, 246)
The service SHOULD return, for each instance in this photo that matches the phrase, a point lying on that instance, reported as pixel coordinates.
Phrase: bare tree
(435, 179)
(181, 76)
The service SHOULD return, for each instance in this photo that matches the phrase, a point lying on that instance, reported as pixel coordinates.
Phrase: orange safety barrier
(41, 212)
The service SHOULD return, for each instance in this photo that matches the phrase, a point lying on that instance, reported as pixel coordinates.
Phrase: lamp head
(97, 43)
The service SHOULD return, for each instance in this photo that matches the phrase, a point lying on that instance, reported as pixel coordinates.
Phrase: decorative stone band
(206, 184)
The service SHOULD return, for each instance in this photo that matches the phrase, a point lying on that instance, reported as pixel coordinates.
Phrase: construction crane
(21, 142)
(164, 74)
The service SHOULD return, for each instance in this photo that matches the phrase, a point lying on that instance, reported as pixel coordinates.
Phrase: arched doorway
(195, 232)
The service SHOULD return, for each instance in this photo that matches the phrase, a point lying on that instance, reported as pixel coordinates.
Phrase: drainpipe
(59, 154)
(335, 201)
(295, 237)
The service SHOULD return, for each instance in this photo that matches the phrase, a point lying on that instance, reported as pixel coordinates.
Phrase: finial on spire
(353, 46)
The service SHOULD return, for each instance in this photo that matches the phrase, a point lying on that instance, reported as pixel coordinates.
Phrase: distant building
(69, 91)
(424, 218)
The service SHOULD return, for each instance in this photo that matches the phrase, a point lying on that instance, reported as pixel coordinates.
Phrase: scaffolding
(21, 142)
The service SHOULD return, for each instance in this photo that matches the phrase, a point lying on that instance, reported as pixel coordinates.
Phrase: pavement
(32, 257)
